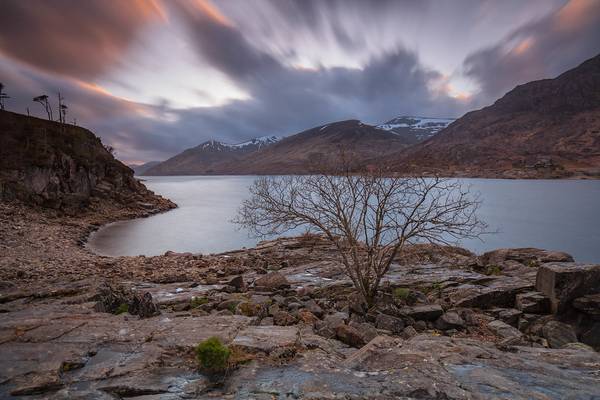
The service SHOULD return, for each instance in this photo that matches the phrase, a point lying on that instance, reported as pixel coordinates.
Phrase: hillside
(293, 154)
(416, 129)
(208, 158)
(303, 151)
(543, 129)
(63, 167)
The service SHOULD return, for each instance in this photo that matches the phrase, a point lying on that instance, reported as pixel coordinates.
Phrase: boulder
(499, 292)
(409, 332)
(589, 304)
(272, 281)
(558, 334)
(504, 330)
(389, 323)
(564, 282)
(314, 308)
(237, 283)
(532, 303)
(509, 315)
(142, 305)
(335, 320)
(229, 304)
(591, 335)
(350, 336)
(449, 320)
(428, 312)
(365, 330)
(307, 317)
(283, 318)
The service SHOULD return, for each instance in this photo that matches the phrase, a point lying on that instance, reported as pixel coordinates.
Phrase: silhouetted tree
(368, 217)
(3, 96)
(62, 109)
(109, 148)
(43, 100)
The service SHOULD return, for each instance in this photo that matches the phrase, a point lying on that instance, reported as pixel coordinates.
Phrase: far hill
(416, 129)
(543, 129)
(140, 169)
(209, 158)
(293, 154)
(297, 153)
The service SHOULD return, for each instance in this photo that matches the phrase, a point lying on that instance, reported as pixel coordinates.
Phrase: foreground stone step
(504, 330)
(266, 339)
(428, 312)
(564, 282)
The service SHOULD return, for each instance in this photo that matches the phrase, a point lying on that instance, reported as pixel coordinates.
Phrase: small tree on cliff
(43, 100)
(3, 96)
(367, 216)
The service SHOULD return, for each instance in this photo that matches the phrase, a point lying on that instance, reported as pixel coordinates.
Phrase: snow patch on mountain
(258, 142)
(421, 127)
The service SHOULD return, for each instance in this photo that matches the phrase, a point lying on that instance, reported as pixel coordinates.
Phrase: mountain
(416, 129)
(64, 167)
(300, 152)
(140, 169)
(293, 154)
(543, 129)
(209, 158)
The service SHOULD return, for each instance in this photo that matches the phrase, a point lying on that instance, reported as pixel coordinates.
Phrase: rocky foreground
(511, 324)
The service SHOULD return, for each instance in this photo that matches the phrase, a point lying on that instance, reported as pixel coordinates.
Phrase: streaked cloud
(155, 77)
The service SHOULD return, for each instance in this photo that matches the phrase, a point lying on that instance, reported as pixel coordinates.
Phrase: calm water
(550, 214)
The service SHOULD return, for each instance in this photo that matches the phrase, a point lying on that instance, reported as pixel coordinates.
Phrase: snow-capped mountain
(208, 157)
(421, 128)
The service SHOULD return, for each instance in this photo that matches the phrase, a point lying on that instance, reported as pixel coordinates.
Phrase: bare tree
(3, 96)
(62, 109)
(109, 148)
(43, 100)
(368, 217)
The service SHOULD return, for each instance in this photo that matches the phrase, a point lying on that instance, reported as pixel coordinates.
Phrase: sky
(154, 77)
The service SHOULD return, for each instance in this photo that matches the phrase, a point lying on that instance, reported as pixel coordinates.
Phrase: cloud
(64, 37)
(541, 49)
(297, 64)
(283, 99)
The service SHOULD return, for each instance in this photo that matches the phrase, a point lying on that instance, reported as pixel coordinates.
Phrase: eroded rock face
(589, 304)
(63, 167)
(564, 282)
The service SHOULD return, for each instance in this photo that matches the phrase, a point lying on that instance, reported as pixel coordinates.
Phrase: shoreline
(284, 309)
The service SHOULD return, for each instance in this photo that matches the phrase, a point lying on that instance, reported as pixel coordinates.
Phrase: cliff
(64, 167)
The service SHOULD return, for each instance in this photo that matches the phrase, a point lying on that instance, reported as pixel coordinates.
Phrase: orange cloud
(212, 12)
(574, 13)
(80, 39)
(523, 46)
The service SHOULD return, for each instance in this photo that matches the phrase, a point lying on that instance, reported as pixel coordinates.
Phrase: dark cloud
(72, 37)
(541, 49)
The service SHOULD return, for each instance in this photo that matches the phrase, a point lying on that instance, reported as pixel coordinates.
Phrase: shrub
(198, 301)
(493, 270)
(122, 309)
(212, 355)
(401, 293)
(231, 307)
